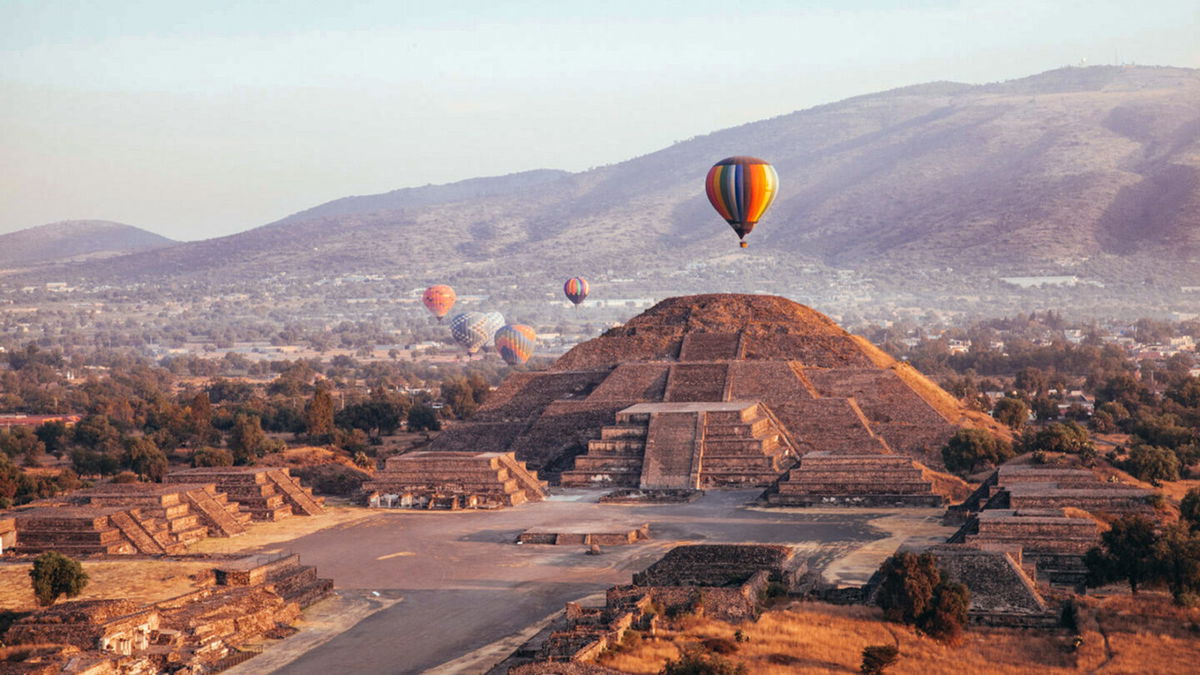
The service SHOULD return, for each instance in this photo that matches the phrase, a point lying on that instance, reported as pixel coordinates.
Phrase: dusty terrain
(821, 638)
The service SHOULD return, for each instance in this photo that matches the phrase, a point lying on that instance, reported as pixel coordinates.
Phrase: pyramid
(709, 391)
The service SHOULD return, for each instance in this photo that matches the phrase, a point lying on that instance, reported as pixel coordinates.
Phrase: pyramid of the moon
(711, 390)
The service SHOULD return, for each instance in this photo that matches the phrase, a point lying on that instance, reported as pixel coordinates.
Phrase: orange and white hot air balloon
(439, 300)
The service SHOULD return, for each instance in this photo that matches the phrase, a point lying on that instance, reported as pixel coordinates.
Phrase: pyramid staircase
(685, 445)
(614, 459)
(824, 478)
(266, 493)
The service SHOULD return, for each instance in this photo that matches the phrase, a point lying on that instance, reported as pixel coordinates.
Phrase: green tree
(967, 449)
(914, 591)
(947, 615)
(1011, 411)
(1177, 556)
(198, 416)
(54, 436)
(1189, 508)
(144, 458)
(696, 662)
(422, 417)
(247, 440)
(54, 575)
(318, 416)
(1153, 464)
(1125, 553)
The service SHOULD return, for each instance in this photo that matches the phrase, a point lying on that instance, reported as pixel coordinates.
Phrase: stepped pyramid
(266, 493)
(814, 386)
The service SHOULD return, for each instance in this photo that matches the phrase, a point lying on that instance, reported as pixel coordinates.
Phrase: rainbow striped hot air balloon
(741, 189)
(470, 329)
(576, 289)
(438, 300)
(515, 343)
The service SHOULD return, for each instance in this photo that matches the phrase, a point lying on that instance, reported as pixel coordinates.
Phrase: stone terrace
(454, 480)
(855, 480)
(1002, 593)
(1033, 487)
(193, 511)
(83, 530)
(266, 493)
(1051, 541)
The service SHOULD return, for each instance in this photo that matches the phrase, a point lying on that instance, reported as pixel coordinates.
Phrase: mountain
(74, 240)
(1092, 171)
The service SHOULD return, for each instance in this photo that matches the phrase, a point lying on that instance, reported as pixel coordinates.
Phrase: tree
(53, 575)
(1030, 380)
(1126, 553)
(1177, 556)
(318, 416)
(878, 658)
(906, 587)
(247, 440)
(1065, 437)
(422, 417)
(1011, 411)
(199, 419)
(1153, 464)
(914, 591)
(696, 662)
(1189, 508)
(144, 458)
(53, 435)
(376, 417)
(968, 448)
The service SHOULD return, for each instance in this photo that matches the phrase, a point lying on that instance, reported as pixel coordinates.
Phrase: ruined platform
(86, 530)
(1051, 542)
(827, 479)
(1002, 592)
(266, 493)
(193, 511)
(454, 480)
(584, 535)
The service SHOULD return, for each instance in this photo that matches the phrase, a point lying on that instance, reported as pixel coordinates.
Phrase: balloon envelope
(576, 289)
(469, 329)
(515, 343)
(438, 300)
(493, 321)
(741, 189)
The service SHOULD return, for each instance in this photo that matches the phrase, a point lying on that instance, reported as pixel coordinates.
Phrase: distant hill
(74, 240)
(1077, 170)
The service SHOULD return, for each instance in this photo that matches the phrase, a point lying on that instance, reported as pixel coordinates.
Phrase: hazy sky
(198, 119)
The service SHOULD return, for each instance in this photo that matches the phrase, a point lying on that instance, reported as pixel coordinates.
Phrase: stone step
(42, 538)
(789, 499)
(855, 488)
(618, 446)
(624, 431)
(300, 499)
(142, 540)
(633, 419)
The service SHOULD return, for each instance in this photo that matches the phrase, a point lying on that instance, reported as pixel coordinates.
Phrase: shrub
(914, 591)
(53, 575)
(1189, 508)
(947, 614)
(718, 645)
(331, 479)
(877, 658)
(699, 663)
(212, 457)
(1153, 464)
(125, 477)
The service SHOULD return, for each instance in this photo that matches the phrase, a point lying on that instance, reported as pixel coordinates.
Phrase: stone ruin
(201, 631)
(716, 390)
(453, 480)
(724, 581)
(160, 518)
(827, 479)
(1003, 593)
(583, 535)
(266, 493)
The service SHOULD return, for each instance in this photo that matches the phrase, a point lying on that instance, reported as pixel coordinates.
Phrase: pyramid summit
(715, 390)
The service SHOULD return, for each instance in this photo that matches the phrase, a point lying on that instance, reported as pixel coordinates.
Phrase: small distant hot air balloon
(470, 329)
(576, 289)
(515, 343)
(741, 189)
(438, 300)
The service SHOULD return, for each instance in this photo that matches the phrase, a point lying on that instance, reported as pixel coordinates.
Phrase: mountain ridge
(1093, 167)
(75, 240)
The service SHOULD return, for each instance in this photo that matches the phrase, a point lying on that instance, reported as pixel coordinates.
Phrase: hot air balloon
(493, 321)
(438, 300)
(470, 329)
(576, 289)
(515, 343)
(741, 189)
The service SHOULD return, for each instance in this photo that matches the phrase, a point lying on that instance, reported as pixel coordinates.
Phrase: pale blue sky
(199, 119)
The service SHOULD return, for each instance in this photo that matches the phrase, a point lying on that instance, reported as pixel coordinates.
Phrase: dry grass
(137, 580)
(820, 638)
(264, 534)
